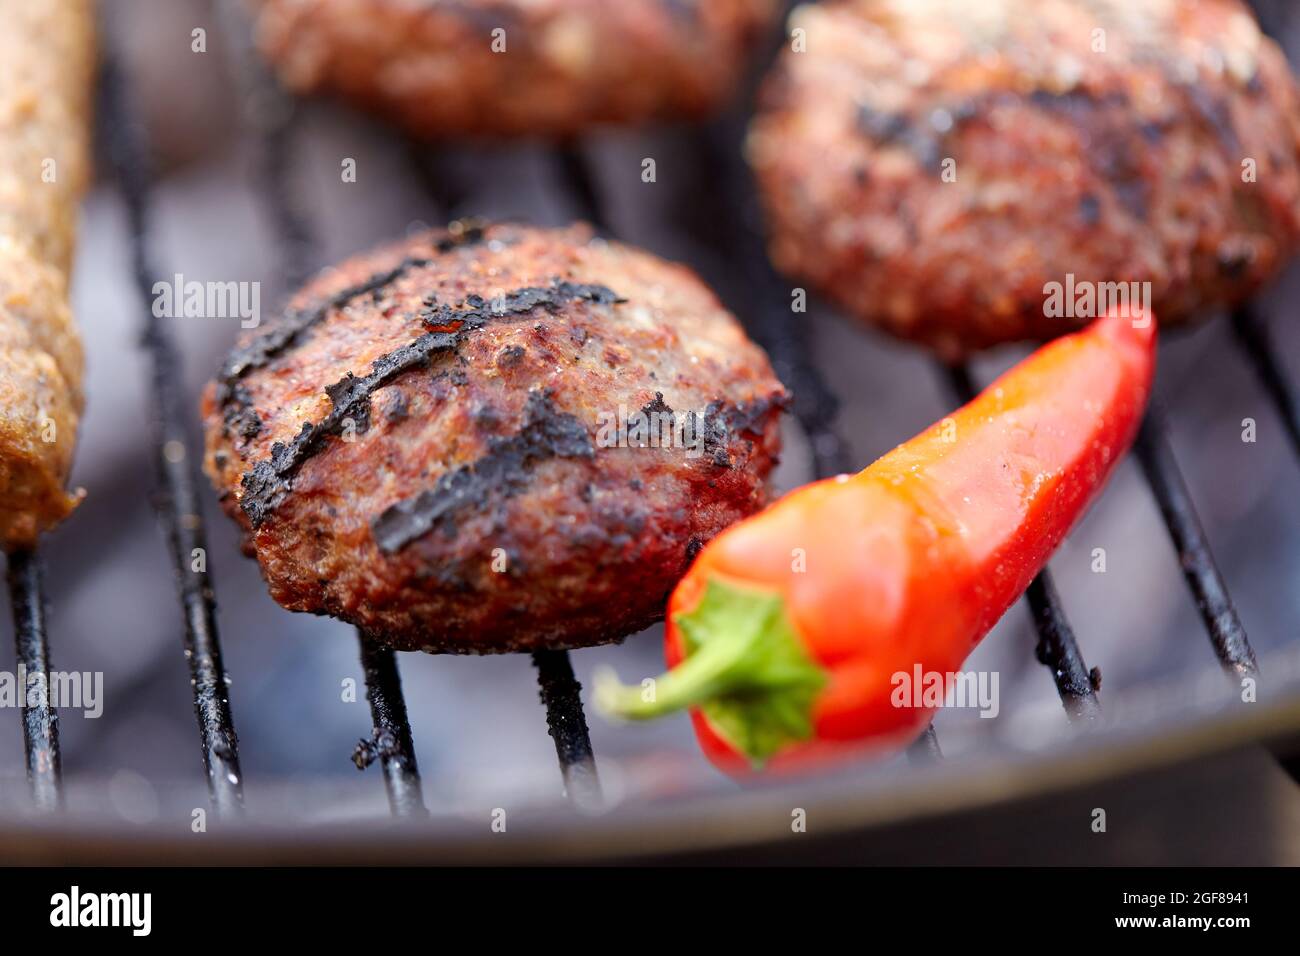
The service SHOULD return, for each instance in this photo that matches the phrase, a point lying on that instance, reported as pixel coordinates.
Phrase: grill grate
(760, 294)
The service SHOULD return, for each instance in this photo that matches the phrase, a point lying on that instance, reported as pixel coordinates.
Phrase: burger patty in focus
(483, 440)
(932, 165)
(502, 67)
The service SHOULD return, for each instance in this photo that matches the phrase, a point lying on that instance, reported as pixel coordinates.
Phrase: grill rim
(856, 800)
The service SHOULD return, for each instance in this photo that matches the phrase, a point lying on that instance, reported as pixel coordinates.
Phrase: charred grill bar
(1252, 334)
(1194, 556)
(567, 725)
(175, 498)
(764, 299)
(391, 740)
(925, 748)
(40, 722)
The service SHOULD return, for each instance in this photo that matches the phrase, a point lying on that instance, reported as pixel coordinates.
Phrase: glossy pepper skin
(785, 635)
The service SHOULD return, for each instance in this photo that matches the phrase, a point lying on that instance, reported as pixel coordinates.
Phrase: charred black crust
(694, 545)
(520, 302)
(657, 406)
(239, 416)
(292, 330)
(269, 481)
(504, 470)
(289, 332)
(725, 421)
(749, 418)
(722, 423)
(915, 134)
(398, 409)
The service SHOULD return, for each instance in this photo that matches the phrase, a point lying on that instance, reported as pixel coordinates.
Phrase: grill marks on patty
(523, 301)
(290, 332)
(505, 469)
(270, 480)
(238, 414)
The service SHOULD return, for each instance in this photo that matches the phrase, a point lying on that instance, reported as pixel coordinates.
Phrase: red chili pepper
(786, 634)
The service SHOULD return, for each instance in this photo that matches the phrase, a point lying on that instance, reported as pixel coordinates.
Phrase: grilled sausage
(46, 68)
(513, 67)
(428, 443)
(934, 166)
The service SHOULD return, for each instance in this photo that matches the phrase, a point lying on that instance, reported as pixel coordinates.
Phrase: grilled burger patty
(1114, 140)
(46, 65)
(428, 443)
(559, 66)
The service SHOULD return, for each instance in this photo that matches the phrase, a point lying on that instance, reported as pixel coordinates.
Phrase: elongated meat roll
(46, 74)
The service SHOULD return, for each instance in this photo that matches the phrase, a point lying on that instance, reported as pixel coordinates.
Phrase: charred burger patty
(503, 67)
(933, 165)
(492, 439)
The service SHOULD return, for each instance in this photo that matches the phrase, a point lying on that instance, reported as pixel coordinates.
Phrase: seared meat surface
(932, 165)
(430, 443)
(46, 65)
(501, 67)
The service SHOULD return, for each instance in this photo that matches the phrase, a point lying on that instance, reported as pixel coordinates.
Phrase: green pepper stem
(742, 665)
(719, 667)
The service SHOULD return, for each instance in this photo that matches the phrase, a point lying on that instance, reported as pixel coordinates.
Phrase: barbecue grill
(1159, 733)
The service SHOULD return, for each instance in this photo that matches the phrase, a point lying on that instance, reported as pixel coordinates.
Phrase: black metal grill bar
(575, 173)
(295, 237)
(276, 125)
(567, 724)
(1194, 556)
(40, 722)
(175, 498)
(1255, 340)
(1059, 651)
(391, 740)
(765, 302)
(1057, 648)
